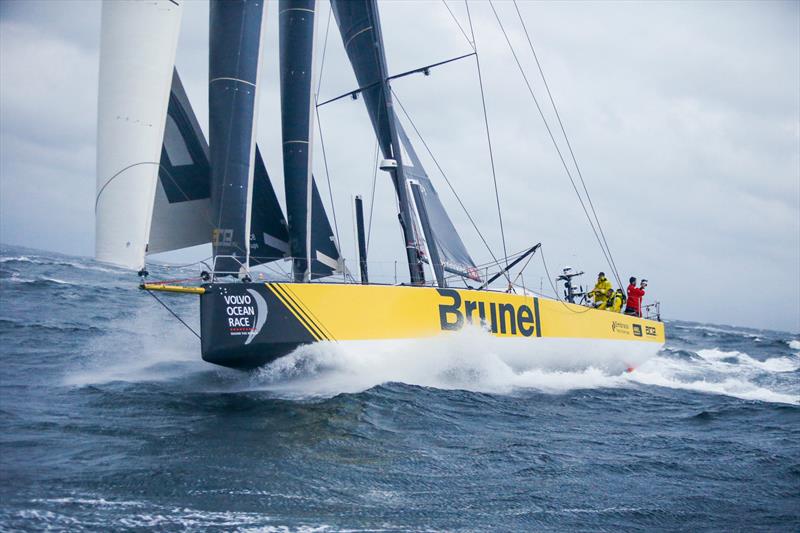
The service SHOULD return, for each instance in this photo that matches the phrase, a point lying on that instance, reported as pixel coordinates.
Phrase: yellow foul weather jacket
(600, 292)
(616, 302)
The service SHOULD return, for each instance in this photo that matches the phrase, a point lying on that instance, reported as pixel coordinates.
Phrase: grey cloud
(684, 117)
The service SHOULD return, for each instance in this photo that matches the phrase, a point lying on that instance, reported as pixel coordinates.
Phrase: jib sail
(137, 55)
(269, 240)
(181, 215)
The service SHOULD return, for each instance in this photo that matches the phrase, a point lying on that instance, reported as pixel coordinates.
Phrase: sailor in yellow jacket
(616, 302)
(600, 291)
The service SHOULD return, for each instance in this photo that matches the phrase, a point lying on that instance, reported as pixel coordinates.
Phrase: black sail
(310, 234)
(359, 25)
(234, 47)
(452, 253)
(269, 240)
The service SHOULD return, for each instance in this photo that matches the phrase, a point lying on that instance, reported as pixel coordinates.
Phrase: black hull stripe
(309, 314)
(306, 314)
(287, 298)
(292, 309)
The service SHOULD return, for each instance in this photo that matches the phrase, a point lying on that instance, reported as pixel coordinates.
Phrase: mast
(359, 25)
(234, 58)
(312, 246)
(362, 240)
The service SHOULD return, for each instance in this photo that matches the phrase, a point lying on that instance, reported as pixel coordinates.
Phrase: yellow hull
(245, 325)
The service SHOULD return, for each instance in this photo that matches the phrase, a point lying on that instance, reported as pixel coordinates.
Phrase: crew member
(600, 291)
(616, 301)
(635, 295)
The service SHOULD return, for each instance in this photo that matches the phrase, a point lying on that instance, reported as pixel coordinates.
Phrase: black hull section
(235, 334)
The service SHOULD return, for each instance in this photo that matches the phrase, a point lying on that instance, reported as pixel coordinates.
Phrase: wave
(56, 263)
(44, 280)
(469, 360)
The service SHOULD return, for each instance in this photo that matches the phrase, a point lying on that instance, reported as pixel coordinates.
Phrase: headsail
(359, 26)
(234, 58)
(269, 240)
(137, 54)
(311, 241)
(181, 215)
(452, 253)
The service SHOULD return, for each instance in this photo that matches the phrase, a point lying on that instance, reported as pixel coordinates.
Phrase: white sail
(137, 55)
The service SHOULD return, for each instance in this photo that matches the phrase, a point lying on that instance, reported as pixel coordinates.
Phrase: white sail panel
(137, 54)
(182, 211)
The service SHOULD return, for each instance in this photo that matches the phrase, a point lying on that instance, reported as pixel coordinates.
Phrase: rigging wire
(372, 193)
(566, 138)
(555, 143)
(173, 313)
(319, 128)
(471, 44)
(488, 136)
(446, 179)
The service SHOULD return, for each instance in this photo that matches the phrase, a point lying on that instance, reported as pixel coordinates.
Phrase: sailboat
(161, 186)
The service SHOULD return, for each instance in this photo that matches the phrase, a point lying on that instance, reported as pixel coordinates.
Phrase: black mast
(359, 25)
(362, 240)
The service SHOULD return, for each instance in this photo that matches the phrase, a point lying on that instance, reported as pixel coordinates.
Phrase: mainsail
(359, 25)
(234, 58)
(311, 243)
(137, 55)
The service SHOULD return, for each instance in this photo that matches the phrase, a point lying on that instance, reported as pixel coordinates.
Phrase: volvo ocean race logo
(247, 314)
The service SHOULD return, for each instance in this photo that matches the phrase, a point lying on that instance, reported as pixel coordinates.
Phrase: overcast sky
(684, 117)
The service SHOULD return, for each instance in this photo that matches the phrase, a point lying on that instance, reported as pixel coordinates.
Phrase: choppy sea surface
(111, 421)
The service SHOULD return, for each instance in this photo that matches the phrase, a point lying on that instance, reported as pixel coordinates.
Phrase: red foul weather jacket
(635, 295)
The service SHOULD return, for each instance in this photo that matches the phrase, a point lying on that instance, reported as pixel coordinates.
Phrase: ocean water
(111, 421)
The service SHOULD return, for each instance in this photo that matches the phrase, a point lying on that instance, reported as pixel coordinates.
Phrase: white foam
(794, 344)
(150, 346)
(470, 360)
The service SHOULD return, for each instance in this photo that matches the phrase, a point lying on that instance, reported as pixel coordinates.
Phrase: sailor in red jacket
(635, 295)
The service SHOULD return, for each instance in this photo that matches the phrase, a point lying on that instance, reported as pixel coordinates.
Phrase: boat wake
(470, 360)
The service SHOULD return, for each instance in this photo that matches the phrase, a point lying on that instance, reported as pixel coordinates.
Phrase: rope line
(173, 313)
(553, 139)
(321, 140)
(488, 136)
(372, 194)
(566, 138)
(471, 44)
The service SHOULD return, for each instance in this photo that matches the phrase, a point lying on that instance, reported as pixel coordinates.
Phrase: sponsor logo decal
(246, 314)
(504, 318)
(621, 327)
(637, 330)
(650, 331)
